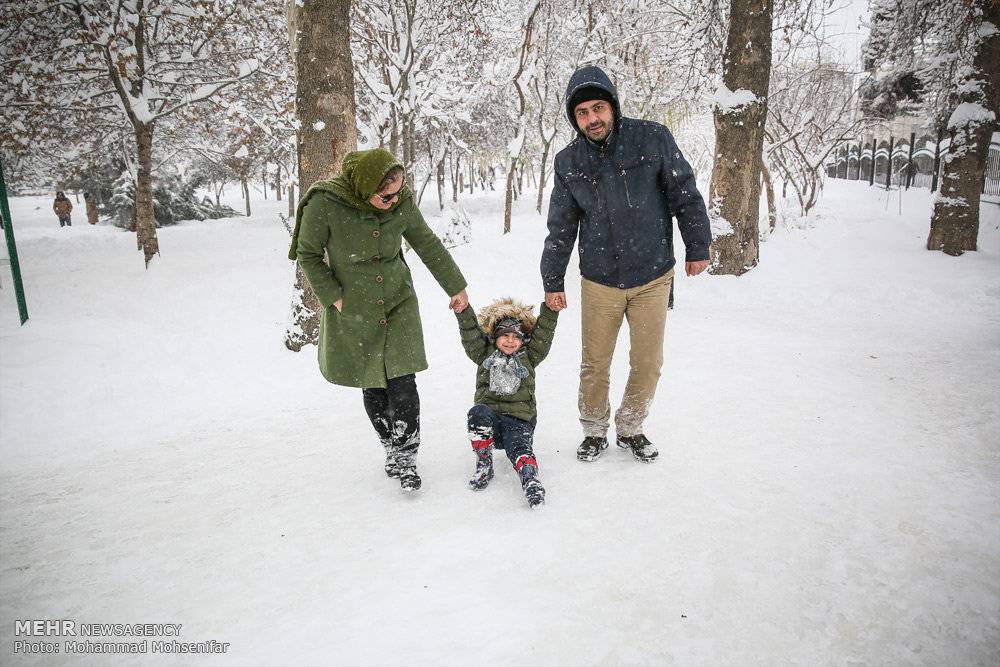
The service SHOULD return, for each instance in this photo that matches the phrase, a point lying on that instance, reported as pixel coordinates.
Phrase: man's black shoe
(641, 447)
(591, 448)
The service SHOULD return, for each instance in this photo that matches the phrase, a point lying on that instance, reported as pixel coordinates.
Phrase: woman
(370, 334)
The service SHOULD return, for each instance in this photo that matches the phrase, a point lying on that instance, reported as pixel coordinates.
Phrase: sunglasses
(388, 198)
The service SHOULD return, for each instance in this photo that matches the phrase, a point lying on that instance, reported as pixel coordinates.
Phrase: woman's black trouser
(395, 414)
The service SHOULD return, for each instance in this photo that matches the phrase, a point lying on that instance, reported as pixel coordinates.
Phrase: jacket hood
(591, 76)
(360, 175)
(504, 308)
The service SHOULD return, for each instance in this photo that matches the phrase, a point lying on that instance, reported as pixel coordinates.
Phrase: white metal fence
(896, 164)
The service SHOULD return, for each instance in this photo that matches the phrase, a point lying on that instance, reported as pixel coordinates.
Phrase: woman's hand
(459, 302)
(338, 304)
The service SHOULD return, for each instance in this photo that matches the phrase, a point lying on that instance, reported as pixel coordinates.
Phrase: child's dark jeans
(510, 434)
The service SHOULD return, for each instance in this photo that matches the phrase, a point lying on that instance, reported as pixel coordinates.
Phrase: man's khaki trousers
(645, 308)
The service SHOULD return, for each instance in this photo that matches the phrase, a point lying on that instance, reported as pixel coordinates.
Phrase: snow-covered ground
(828, 490)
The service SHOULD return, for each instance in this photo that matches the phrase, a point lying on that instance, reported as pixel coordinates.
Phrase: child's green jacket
(478, 347)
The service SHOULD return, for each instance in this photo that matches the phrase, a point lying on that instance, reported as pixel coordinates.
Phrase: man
(619, 183)
(62, 207)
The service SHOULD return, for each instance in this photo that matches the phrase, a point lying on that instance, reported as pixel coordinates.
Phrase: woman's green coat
(377, 334)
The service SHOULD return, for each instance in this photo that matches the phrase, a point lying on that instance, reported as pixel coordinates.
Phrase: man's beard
(605, 130)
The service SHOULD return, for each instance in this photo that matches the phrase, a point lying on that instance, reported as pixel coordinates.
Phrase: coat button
(376, 258)
(378, 279)
(376, 234)
(380, 302)
(621, 285)
(382, 322)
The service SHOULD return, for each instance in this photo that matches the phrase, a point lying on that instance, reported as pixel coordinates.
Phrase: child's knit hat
(508, 325)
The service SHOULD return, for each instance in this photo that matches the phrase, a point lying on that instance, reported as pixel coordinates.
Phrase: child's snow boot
(484, 464)
(533, 489)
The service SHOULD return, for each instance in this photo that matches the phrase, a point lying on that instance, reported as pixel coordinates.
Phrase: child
(507, 343)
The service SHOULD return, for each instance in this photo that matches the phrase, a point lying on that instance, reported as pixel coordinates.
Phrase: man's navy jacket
(621, 197)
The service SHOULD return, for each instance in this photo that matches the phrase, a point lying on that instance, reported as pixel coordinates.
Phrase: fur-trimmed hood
(498, 310)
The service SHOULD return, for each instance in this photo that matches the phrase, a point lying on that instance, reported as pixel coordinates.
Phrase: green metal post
(15, 266)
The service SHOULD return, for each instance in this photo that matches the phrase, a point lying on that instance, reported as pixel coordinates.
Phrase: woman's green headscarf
(361, 173)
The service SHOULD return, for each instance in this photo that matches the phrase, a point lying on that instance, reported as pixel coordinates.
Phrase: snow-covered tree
(521, 80)
(948, 54)
(740, 114)
(809, 116)
(126, 67)
(325, 108)
(416, 62)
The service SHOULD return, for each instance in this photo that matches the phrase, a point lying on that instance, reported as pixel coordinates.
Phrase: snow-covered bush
(174, 199)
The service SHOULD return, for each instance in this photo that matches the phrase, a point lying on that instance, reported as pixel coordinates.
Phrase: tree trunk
(394, 134)
(734, 194)
(263, 180)
(772, 208)
(246, 194)
(542, 174)
(456, 177)
(324, 91)
(509, 198)
(277, 183)
(145, 219)
(291, 203)
(420, 195)
(440, 181)
(811, 192)
(955, 221)
(411, 149)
